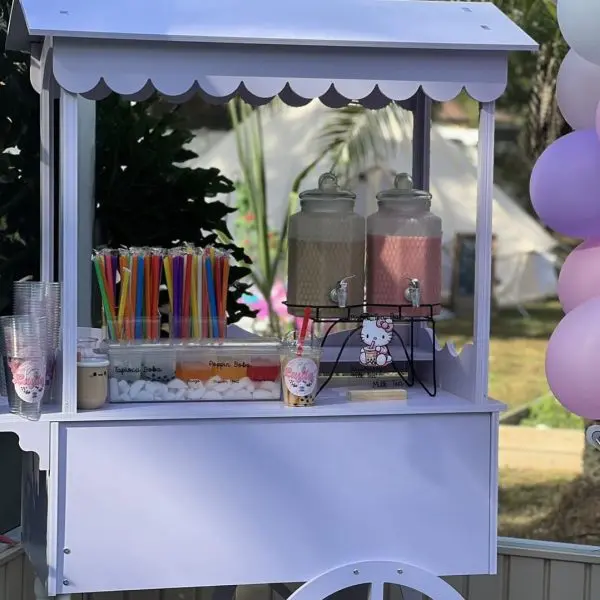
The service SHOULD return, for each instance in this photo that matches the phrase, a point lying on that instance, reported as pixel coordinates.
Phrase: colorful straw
(129, 280)
(197, 282)
(303, 330)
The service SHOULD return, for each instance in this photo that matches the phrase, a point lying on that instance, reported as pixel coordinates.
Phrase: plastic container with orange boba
(209, 370)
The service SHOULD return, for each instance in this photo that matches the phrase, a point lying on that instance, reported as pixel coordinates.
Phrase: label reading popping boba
(300, 376)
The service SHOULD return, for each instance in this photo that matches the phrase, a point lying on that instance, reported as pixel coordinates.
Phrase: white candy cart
(337, 494)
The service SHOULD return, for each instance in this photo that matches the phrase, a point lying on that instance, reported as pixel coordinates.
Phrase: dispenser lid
(403, 190)
(328, 189)
(93, 362)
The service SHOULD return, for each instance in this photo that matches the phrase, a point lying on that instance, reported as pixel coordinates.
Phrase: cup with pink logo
(25, 355)
(300, 370)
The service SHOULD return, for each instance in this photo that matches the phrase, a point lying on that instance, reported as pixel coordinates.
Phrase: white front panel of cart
(213, 502)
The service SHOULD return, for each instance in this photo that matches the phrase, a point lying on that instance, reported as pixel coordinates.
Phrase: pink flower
(278, 296)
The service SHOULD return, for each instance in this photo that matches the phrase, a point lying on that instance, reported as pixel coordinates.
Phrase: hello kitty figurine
(376, 335)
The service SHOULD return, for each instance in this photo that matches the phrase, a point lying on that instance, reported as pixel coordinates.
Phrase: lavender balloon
(572, 360)
(565, 185)
(579, 279)
(578, 91)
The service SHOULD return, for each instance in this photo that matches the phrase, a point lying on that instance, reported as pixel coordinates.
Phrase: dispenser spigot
(339, 294)
(413, 293)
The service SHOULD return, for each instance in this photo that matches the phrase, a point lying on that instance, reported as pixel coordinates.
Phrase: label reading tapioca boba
(158, 372)
(126, 371)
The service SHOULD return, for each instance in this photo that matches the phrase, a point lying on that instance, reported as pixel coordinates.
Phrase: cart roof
(355, 23)
(327, 40)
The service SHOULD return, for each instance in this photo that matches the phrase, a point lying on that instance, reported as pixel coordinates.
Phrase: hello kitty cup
(25, 356)
(300, 373)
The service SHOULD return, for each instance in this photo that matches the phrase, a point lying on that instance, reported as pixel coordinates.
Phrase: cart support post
(483, 251)
(69, 146)
(47, 180)
(86, 161)
(421, 140)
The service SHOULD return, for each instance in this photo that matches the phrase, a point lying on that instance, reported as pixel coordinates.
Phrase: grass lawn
(517, 350)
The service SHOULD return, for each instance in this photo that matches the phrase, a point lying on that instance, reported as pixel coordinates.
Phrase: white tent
(524, 261)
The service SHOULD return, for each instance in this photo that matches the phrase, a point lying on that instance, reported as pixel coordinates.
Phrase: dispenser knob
(339, 294)
(413, 293)
(592, 435)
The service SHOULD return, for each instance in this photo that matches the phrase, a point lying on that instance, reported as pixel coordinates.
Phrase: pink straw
(303, 331)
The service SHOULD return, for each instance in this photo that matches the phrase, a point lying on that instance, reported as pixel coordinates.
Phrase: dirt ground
(550, 506)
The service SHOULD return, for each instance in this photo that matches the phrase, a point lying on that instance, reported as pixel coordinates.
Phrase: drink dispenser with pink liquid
(404, 252)
(326, 252)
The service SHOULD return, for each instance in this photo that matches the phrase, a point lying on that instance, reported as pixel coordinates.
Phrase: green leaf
(354, 134)
(144, 198)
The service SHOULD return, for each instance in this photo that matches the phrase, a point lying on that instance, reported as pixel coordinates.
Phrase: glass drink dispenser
(404, 252)
(326, 252)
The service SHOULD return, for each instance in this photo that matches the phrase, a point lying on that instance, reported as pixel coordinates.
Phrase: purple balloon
(572, 360)
(565, 185)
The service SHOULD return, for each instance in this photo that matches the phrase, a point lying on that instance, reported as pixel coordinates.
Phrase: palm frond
(354, 135)
(543, 122)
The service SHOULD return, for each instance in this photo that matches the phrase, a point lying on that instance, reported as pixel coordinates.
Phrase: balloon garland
(565, 193)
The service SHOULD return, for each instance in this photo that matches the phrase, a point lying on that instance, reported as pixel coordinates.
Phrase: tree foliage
(19, 168)
(144, 195)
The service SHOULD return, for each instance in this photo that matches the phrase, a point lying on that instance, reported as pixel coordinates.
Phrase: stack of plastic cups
(42, 299)
(25, 358)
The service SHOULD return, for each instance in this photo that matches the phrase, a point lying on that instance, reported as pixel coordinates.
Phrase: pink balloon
(565, 185)
(572, 360)
(579, 278)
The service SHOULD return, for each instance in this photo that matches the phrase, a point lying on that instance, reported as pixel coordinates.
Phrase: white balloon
(578, 91)
(579, 21)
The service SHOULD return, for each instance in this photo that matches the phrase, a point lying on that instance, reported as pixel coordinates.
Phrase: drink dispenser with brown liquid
(404, 252)
(326, 252)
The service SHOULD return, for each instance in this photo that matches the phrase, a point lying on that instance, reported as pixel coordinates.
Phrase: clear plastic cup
(300, 370)
(189, 328)
(42, 299)
(20, 331)
(86, 348)
(25, 361)
(128, 330)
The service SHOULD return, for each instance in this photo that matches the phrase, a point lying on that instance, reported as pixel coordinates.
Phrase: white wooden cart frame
(428, 481)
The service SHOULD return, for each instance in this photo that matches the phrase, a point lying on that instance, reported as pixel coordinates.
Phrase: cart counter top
(332, 403)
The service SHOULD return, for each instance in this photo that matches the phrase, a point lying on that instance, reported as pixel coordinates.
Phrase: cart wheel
(376, 574)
